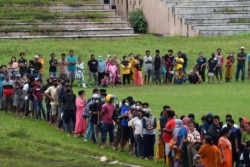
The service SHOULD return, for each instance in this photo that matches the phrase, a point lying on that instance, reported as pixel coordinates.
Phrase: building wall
(160, 18)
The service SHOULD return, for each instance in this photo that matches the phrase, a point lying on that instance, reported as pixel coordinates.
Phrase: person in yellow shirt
(132, 62)
(179, 61)
(41, 70)
(125, 70)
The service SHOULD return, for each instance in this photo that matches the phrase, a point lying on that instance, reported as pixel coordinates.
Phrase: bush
(138, 21)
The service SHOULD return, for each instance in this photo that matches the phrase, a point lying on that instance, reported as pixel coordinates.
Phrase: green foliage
(138, 21)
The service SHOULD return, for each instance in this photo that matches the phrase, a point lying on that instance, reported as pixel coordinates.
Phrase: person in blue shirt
(71, 66)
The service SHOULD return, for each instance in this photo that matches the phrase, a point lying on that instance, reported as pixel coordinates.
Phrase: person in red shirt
(38, 99)
(167, 135)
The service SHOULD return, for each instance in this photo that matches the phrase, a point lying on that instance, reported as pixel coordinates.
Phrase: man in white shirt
(147, 67)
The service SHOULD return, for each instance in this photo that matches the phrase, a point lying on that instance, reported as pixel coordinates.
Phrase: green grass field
(29, 143)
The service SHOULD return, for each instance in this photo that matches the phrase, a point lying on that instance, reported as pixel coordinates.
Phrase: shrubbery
(138, 21)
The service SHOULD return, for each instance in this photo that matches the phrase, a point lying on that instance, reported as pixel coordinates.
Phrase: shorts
(167, 149)
(54, 109)
(125, 133)
(63, 76)
(18, 101)
(71, 74)
(147, 72)
(210, 74)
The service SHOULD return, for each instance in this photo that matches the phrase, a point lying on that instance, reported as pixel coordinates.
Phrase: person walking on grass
(241, 60)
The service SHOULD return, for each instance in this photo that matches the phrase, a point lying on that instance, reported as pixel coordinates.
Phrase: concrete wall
(160, 18)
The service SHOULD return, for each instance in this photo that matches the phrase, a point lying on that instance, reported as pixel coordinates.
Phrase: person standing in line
(22, 64)
(71, 66)
(53, 63)
(79, 76)
(93, 70)
(209, 153)
(125, 69)
(241, 58)
(41, 69)
(112, 69)
(52, 94)
(147, 67)
(101, 69)
(229, 66)
(248, 62)
(80, 126)
(69, 107)
(63, 67)
(220, 61)
(212, 65)
(201, 63)
(225, 148)
(157, 67)
(106, 115)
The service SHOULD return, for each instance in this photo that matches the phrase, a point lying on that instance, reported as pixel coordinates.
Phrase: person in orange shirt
(209, 154)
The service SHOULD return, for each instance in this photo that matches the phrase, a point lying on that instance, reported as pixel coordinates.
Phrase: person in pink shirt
(112, 69)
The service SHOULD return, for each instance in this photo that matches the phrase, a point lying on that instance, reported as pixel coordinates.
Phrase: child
(80, 73)
(105, 82)
(112, 69)
(194, 141)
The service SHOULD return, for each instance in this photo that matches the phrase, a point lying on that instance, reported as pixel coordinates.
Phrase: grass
(20, 139)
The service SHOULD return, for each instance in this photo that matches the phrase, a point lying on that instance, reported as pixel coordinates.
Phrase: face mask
(68, 90)
(126, 104)
(137, 107)
(55, 84)
(97, 101)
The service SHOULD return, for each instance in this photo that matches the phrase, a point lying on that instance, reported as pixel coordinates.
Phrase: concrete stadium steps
(214, 17)
(86, 21)
(221, 26)
(61, 7)
(68, 32)
(206, 9)
(65, 25)
(224, 32)
(109, 36)
(13, 20)
(207, 3)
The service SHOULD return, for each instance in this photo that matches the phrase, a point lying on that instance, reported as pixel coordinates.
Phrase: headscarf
(177, 128)
(185, 122)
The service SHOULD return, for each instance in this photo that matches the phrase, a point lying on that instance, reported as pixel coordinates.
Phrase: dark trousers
(148, 145)
(100, 77)
(125, 77)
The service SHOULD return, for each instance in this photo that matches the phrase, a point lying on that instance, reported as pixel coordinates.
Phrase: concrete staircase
(67, 22)
(213, 17)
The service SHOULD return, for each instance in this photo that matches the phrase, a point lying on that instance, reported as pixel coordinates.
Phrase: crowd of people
(129, 123)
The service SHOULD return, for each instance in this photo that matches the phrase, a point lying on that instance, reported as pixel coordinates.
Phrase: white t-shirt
(148, 65)
(26, 88)
(52, 91)
(137, 124)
